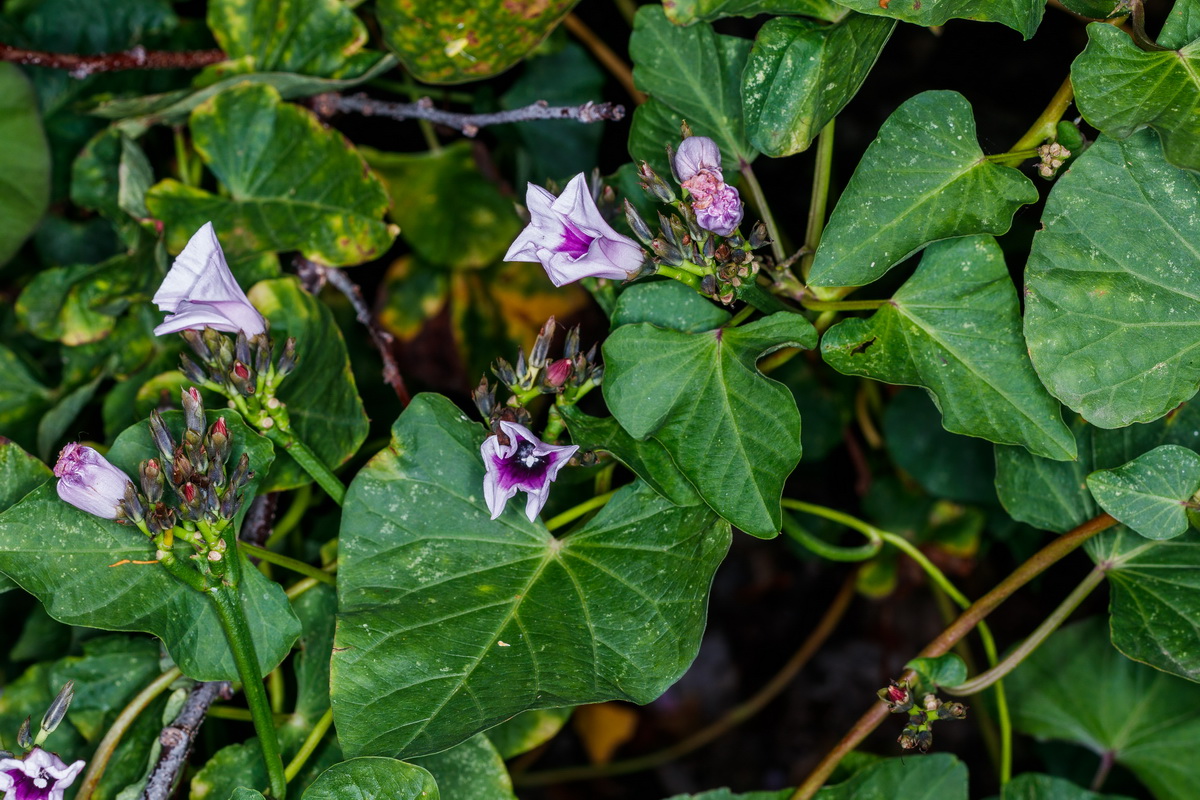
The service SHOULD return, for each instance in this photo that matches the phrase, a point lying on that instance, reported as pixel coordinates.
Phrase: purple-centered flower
(696, 154)
(86, 480)
(719, 212)
(38, 776)
(200, 292)
(570, 238)
(526, 463)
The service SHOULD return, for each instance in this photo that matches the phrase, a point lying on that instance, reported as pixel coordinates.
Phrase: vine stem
(116, 731)
(1038, 563)
(572, 514)
(728, 721)
(843, 305)
(307, 459)
(237, 631)
(1035, 639)
(310, 744)
(81, 66)
(754, 188)
(295, 565)
(819, 200)
(1045, 125)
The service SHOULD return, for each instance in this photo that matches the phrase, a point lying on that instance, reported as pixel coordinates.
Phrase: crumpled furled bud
(161, 436)
(191, 369)
(571, 343)
(193, 411)
(697, 153)
(484, 396)
(87, 481)
(195, 340)
(132, 508)
(758, 236)
(722, 213)
(24, 737)
(667, 252)
(541, 345)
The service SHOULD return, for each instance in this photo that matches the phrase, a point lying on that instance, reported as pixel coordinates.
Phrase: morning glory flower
(570, 238)
(200, 292)
(717, 205)
(526, 464)
(87, 481)
(39, 776)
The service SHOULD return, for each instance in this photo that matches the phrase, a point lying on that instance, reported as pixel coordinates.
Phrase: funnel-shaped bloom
(200, 292)
(570, 238)
(86, 480)
(526, 464)
(39, 776)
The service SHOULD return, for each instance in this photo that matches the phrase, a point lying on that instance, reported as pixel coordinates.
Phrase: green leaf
(20, 473)
(733, 432)
(655, 125)
(924, 178)
(1052, 495)
(1148, 494)
(110, 672)
(23, 400)
(1077, 688)
(668, 304)
(946, 465)
(1023, 16)
(802, 73)
(451, 622)
(411, 294)
(359, 778)
(685, 12)
(1182, 25)
(527, 730)
(312, 37)
(24, 161)
(58, 419)
(1094, 288)
(111, 174)
(293, 183)
(929, 334)
(323, 404)
(648, 459)
(472, 769)
(935, 777)
(454, 41)
(944, 670)
(450, 214)
(1032, 786)
(698, 74)
(1121, 88)
(62, 556)
(242, 793)
(1152, 598)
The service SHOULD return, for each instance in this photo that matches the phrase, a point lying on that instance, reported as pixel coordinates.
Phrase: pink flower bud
(697, 153)
(87, 481)
(559, 372)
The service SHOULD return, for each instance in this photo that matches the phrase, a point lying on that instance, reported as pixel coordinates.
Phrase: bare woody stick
(177, 738)
(469, 124)
(80, 66)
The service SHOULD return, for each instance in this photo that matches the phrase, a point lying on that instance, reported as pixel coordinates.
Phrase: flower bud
(87, 481)
(241, 347)
(559, 372)
(952, 711)
(239, 378)
(758, 236)
(193, 412)
(541, 345)
(655, 186)
(504, 371)
(241, 474)
(287, 361)
(191, 370)
(131, 505)
(668, 253)
(195, 340)
(162, 437)
(151, 478)
(24, 737)
(697, 153)
(58, 709)
(571, 344)
(638, 225)
(262, 353)
(484, 396)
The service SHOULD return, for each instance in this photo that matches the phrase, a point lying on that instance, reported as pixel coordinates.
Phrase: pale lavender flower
(720, 212)
(696, 154)
(38, 776)
(200, 292)
(86, 480)
(526, 464)
(570, 238)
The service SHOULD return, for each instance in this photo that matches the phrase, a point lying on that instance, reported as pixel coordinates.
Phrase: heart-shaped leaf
(697, 74)
(937, 777)
(312, 37)
(924, 178)
(453, 41)
(65, 557)
(1148, 493)
(24, 161)
(929, 335)
(1077, 688)
(322, 400)
(1119, 88)
(733, 432)
(1031, 785)
(293, 183)
(1094, 288)
(451, 622)
(373, 777)
(1153, 590)
(802, 73)
(472, 769)
(668, 304)
(527, 730)
(1020, 15)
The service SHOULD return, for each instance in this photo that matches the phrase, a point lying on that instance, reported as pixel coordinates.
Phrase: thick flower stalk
(525, 464)
(717, 205)
(40, 775)
(200, 292)
(87, 481)
(570, 238)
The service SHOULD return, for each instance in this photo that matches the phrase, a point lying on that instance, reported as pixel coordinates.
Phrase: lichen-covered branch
(81, 66)
(177, 738)
(469, 124)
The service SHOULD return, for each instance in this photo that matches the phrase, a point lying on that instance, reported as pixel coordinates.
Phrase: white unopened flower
(200, 292)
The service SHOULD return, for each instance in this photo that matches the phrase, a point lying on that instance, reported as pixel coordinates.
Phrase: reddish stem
(81, 66)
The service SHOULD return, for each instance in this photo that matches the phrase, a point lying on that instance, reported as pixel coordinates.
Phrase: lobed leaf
(1148, 494)
(1023, 16)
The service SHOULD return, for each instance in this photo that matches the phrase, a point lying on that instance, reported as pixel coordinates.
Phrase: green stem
(241, 714)
(754, 189)
(1048, 626)
(228, 604)
(116, 731)
(310, 744)
(182, 167)
(1038, 563)
(826, 550)
(819, 200)
(291, 518)
(740, 317)
(1012, 156)
(679, 275)
(300, 587)
(295, 565)
(307, 459)
(843, 305)
(1045, 126)
(572, 514)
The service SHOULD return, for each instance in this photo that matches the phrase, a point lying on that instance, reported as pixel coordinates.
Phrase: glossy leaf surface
(1020, 15)
(312, 37)
(24, 161)
(1148, 493)
(361, 778)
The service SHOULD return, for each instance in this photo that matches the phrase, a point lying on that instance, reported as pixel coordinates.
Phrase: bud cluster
(1053, 156)
(918, 732)
(540, 374)
(243, 367)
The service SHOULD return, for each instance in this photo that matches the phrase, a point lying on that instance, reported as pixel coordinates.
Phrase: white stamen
(39, 782)
(530, 460)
